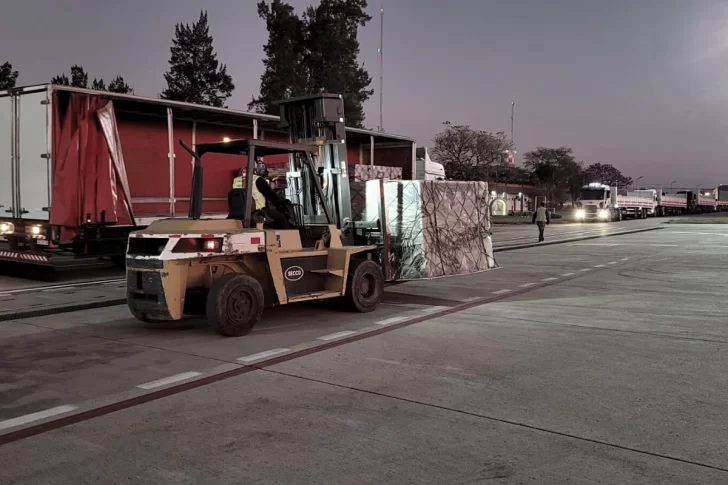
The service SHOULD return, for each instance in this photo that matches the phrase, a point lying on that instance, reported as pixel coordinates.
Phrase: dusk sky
(641, 84)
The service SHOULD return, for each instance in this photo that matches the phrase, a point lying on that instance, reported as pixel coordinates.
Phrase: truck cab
(597, 203)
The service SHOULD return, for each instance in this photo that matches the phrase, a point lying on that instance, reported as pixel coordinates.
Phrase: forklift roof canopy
(262, 147)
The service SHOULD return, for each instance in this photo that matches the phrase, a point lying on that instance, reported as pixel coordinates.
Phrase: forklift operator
(261, 171)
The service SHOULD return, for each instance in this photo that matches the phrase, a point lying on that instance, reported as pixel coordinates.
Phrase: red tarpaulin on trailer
(89, 177)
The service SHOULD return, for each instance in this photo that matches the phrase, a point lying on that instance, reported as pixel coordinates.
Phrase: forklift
(294, 249)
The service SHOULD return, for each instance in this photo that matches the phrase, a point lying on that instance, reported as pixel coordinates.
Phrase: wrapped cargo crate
(433, 228)
(362, 173)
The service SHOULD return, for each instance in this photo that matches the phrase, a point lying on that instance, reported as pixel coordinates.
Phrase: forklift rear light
(198, 245)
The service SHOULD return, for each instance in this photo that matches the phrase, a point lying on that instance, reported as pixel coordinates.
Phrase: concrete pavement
(595, 362)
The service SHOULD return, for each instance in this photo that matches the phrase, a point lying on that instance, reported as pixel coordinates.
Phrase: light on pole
(638, 179)
(671, 185)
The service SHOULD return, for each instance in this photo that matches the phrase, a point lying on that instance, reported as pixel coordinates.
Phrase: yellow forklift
(293, 249)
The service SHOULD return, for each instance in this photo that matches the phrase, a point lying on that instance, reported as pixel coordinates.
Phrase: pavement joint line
(263, 355)
(505, 421)
(334, 336)
(562, 241)
(169, 380)
(549, 279)
(29, 418)
(278, 357)
(501, 292)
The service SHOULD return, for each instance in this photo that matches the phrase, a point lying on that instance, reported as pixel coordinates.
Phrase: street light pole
(671, 185)
(638, 179)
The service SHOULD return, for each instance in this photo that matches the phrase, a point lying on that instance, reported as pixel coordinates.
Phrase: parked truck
(81, 169)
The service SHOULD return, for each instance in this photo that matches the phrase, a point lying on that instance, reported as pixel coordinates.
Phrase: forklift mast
(318, 120)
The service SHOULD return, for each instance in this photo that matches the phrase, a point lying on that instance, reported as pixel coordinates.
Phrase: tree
(284, 74)
(98, 84)
(79, 78)
(8, 77)
(469, 154)
(606, 174)
(195, 75)
(118, 85)
(315, 53)
(333, 51)
(556, 169)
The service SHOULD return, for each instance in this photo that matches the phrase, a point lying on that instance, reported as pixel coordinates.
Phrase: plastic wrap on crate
(435, 228)
(362, 173)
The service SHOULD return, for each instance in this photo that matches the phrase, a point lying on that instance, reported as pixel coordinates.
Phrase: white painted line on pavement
(472, 298)
(334, 336)
(263, 355)
(63, 286)
(527, 285)
(502, 292)
(168, 380)
(585, 270)
(566, 275)
(599, 266)
(433, 309)
(29, 418)
(613, 262)
(549, 279)
(390, 321)
(624, 259)
(665, 245)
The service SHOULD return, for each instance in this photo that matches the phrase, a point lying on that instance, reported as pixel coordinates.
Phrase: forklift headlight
(7, 228)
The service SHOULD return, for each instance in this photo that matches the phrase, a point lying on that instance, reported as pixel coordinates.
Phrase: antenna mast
(381, 69)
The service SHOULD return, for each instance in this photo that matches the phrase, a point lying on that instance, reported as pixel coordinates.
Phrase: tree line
(470, 154)
(316, 51)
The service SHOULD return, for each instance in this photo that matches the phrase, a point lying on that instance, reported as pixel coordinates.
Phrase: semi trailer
(81, 169)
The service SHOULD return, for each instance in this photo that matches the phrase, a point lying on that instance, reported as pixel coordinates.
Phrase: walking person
(541, 218)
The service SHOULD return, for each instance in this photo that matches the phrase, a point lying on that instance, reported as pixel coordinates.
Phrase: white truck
(425, 168)
(599, 202)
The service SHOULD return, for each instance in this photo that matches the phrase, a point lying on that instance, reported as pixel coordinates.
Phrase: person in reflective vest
(542, 218)
(260, 171)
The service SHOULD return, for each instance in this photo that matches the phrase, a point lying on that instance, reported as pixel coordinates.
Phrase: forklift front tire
(234, 304)
(364, 286)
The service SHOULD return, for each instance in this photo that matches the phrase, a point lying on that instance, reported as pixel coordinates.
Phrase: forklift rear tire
(364, 286)
(234, 304)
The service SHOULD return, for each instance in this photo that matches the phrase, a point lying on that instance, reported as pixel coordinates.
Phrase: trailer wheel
(234, 304)
(364, 286)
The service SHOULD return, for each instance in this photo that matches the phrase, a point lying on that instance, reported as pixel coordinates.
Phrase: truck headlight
(580, 214)
(603, 214)
(7, 227)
